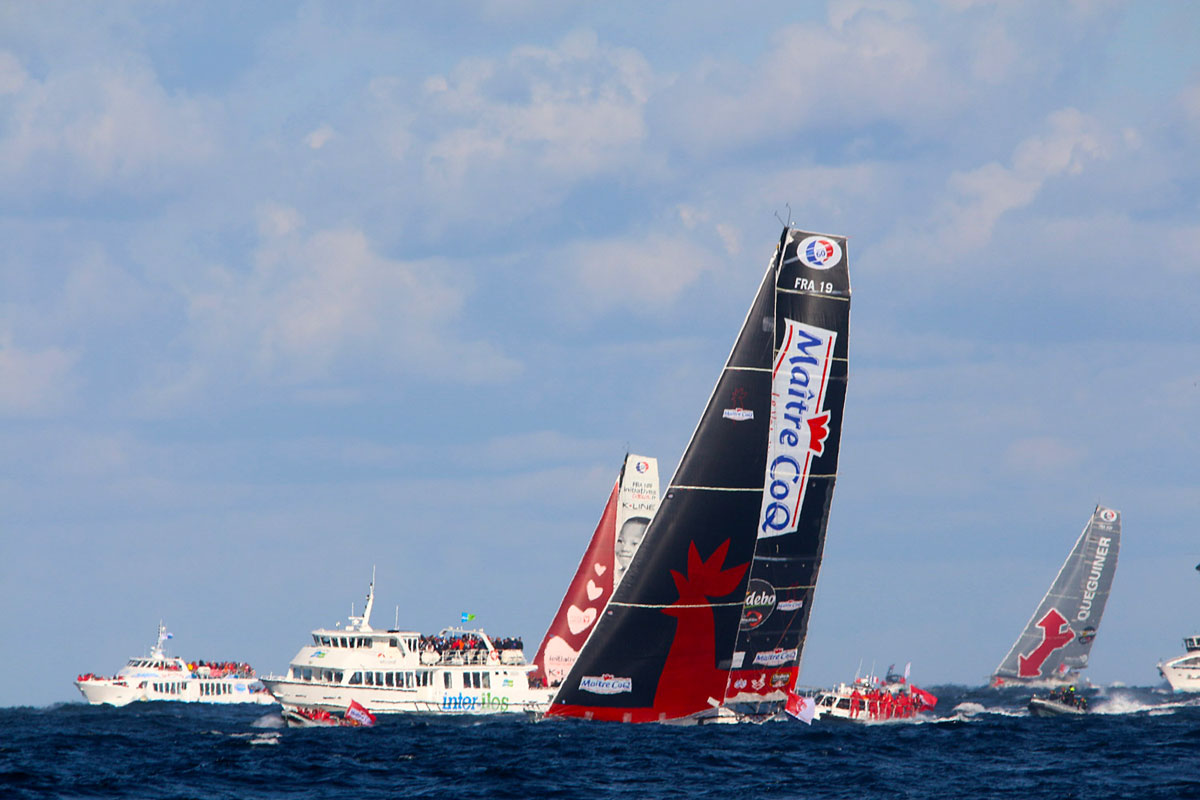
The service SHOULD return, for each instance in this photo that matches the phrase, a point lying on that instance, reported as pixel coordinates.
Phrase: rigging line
(718, 488)
(737, 604)
(814, 294)
(750, 369)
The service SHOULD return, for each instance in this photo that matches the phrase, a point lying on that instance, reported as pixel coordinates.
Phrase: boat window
(379, 679)
(368, 642)
(394, 643)
(356, 679)
(844, 703)
(446, 679)
(487, 680)
(391, 678)
(370, 679)
(307, 674)
(344, 642)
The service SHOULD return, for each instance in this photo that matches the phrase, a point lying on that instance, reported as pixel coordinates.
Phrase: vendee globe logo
(819, 252)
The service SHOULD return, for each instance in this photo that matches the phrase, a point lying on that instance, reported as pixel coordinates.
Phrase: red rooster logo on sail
(690, 675)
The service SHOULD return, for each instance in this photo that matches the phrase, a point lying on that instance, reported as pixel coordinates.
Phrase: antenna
(787, 224)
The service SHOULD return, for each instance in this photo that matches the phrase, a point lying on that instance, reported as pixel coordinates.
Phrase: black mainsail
(714, 606)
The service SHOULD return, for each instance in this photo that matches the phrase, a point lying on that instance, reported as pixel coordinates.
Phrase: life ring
(494, 657)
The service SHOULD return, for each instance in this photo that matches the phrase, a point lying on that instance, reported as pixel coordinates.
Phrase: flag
(467, 617)
(907, 667)
(170, 636)
(801, 707)
(359, 714)
(927, 700)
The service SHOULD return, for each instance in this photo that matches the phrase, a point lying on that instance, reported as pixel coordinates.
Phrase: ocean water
(978, 743)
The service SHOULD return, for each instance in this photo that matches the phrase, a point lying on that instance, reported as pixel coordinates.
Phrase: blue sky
(292, 290)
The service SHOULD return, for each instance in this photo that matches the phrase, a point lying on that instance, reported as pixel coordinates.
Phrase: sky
(294, 291)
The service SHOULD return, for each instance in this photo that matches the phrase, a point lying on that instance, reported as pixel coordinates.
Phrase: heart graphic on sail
(579, 620)
(600, 568)
(593, 590)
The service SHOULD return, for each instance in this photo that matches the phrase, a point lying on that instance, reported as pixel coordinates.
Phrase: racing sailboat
(622, 526)
(710, 618)
(1056, 642)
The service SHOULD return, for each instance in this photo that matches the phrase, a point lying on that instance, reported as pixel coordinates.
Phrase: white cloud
(974, 200)
(33, 383)
(640, 274)
(805, 83)
(318, 304)
(12, 74)
(569, 110)
(319, 137)
(83, 129)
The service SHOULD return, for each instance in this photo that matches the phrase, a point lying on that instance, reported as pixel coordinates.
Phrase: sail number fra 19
(806, 285)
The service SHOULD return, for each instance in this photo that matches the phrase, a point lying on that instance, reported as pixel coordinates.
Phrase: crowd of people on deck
(198, 669)
(882, 704)
(221, 669)
(444, 644)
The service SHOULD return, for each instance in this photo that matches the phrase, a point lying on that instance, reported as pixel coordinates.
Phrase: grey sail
(1056, 642)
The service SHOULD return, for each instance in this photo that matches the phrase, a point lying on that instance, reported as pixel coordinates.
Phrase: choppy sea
(978, 743)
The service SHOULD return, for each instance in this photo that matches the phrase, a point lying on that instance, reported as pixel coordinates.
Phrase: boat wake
(1127, 702)
(967, 711)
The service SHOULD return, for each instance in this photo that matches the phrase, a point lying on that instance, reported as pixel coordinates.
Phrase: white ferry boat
(458, 671)
(1183, 672)
(162, 677)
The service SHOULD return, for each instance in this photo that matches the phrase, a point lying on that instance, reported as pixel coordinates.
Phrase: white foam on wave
(1123, 703)
(266, 738)
(272, 720)
(967, 711)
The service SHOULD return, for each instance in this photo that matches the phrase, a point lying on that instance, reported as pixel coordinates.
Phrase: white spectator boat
(162, 677)
(458, 671)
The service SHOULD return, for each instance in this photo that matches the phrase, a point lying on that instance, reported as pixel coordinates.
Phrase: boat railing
(473, 657)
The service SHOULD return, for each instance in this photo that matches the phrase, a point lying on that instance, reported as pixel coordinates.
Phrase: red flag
(359, 714)
(801, 707)
(926, 699)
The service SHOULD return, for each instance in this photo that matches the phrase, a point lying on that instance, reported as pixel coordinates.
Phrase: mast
(363, 623)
